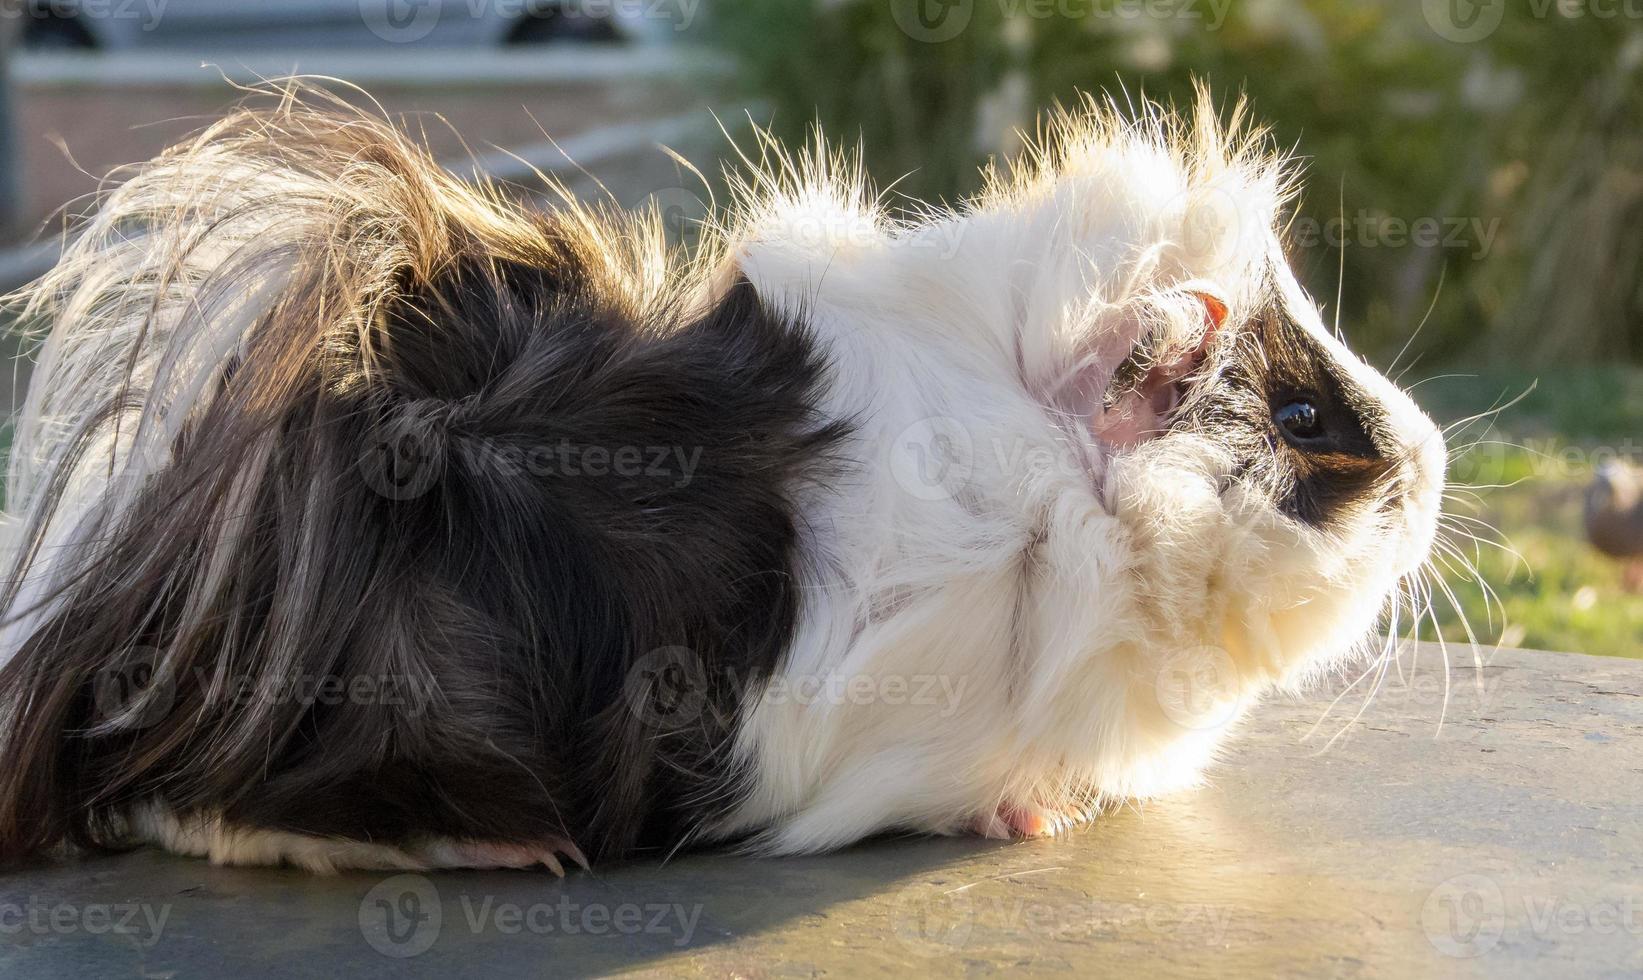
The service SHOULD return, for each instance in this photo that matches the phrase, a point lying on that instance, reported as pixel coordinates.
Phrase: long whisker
(1448, 556)
(1340, 271)
(1418, 327)
(1328, 709)
(1380, 679)
(1493, 410)
(1436, 377)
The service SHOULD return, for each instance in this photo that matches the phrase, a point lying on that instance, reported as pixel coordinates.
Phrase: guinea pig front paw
(1015, 821)
(494, 855)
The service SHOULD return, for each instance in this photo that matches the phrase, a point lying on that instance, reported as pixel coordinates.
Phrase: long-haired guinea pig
(365, 517)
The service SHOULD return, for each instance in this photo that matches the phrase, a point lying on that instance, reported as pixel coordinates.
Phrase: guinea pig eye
(1299, 420)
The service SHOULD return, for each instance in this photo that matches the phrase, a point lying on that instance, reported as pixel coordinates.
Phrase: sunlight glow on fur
(1105, 577)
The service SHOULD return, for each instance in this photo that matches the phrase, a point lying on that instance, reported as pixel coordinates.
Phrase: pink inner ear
(1142, 412)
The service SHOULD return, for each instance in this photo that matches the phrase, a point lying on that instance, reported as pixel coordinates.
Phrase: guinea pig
(361, 516)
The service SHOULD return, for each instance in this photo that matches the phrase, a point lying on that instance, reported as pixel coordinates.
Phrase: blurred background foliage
(1481, 159)
(1525, 147)
(1522, 145)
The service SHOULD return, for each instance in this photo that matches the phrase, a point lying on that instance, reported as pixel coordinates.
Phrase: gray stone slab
(1508, 844)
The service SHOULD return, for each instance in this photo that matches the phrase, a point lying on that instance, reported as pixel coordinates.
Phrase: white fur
(1065, 589)
(999, 611)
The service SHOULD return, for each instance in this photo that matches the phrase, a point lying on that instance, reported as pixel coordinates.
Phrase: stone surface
(1508, 844)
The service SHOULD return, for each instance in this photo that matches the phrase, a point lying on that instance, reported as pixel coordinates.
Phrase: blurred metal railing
(10, 190)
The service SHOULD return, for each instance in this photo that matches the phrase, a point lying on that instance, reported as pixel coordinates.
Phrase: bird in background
(1614, 518)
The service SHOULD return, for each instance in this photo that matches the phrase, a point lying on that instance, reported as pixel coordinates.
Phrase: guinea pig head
(1331, 480)
(1278, 486)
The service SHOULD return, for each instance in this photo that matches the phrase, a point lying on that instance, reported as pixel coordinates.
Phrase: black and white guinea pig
(363, 517)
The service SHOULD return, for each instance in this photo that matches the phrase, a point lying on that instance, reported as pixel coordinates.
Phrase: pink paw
(1013, 820)
(490, 856)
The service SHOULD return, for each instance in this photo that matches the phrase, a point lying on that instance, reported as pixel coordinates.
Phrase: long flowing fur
(295, 424)
(980, 517)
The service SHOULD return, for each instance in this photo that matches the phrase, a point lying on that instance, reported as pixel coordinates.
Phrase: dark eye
(1299, 419)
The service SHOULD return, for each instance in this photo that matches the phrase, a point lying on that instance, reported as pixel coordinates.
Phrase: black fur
(1344, 464)
(1266, 363)
(515, 559)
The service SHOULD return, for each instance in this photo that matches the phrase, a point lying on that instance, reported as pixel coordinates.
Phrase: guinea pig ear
(1147, 385)
(1215, 310)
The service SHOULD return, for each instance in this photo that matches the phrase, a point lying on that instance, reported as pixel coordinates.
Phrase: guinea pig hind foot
(1017, 821)
(495, 855)
(238, 845)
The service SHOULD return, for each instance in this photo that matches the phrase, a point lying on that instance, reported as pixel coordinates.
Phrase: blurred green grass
(1530, 466)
